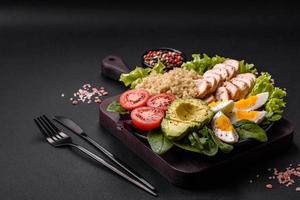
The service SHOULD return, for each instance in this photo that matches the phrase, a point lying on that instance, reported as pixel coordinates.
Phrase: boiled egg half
(223, 128)
(224, 106)
(255, 116)
(252, 102)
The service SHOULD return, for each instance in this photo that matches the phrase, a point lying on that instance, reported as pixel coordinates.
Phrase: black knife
(69, 124)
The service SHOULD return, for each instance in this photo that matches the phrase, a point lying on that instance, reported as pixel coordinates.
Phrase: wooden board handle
(113, 66)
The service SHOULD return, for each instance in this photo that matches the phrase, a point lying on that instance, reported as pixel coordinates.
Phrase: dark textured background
(46, 50)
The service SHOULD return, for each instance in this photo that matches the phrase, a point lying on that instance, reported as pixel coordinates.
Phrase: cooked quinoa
(178, 81)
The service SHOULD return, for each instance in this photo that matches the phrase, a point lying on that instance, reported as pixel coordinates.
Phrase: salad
(206, 105)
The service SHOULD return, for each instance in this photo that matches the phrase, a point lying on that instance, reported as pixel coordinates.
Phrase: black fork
(57, 138)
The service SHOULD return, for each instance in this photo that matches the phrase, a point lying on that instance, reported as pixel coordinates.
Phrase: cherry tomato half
(134, 98)
(161, 101)
(147, 118)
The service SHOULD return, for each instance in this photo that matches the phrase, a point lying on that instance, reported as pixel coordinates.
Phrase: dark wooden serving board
(181, 167)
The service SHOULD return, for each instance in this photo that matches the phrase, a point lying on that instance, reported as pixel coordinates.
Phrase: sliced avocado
(189, 110)
(175, 130)
(183, 115)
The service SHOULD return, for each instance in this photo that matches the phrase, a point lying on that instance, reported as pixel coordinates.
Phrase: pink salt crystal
(269, 186)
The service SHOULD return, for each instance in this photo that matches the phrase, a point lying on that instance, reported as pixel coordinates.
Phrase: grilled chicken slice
(221, 71)
(247, 81)
(213, 83)
(203, 87)
(210, 73)
(231, 71)
(209, 99)
(233, 90)
(222, 94)
(244, 89)
(233, 63)
(248, 76)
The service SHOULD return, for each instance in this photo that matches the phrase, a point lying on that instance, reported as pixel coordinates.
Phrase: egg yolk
(224, 123)
(248, 115)
(246, 103)
(213, 104)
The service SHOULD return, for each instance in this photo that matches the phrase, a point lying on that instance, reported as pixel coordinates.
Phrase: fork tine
(48, 130)
(43, 131)
(54, 131)
(51, 124)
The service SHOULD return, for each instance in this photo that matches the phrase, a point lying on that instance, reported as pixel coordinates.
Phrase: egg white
(224, 106)
(259, 118)
(261, 100)
(225, 136)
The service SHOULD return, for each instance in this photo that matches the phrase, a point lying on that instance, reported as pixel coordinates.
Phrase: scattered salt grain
(269, 186)
(286, 177)
(62, 95)
(88, 94)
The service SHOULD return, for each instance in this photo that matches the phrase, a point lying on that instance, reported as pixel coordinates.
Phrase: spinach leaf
(205, 143)
(115, 106)
(199, 142)
(159, 143)
(186, 146)
(248, 129)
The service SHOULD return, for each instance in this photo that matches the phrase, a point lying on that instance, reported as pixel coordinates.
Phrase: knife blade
(75, 128)
(68, 123)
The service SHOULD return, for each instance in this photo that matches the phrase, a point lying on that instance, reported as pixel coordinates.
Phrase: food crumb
(257, 175)
(269, 186)
(298, 189)
(62, 95)
(251, 181)
(74, 102)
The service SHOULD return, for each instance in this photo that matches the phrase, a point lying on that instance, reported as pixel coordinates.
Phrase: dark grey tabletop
(47, 51)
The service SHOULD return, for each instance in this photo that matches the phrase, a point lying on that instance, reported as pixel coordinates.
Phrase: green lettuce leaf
(159, 68)
(275, 104)
(278, 93)
(202, 63)
(263, 83)
(275, 107)
(247, 68)
(136, 76)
